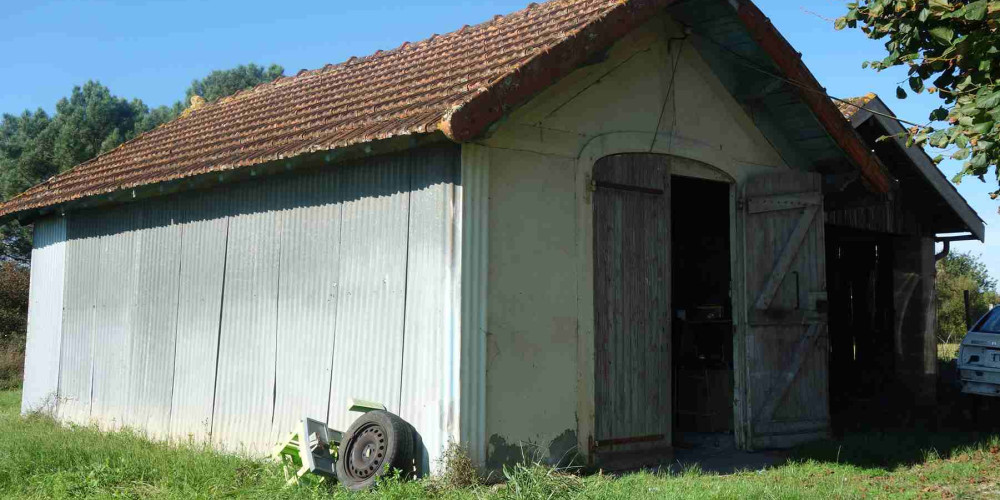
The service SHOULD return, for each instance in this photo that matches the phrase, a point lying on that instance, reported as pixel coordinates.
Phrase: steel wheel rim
(366, 452)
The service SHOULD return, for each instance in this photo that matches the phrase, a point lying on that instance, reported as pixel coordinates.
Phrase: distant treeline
(35, 145)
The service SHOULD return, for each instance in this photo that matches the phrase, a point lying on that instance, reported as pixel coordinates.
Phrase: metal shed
(582, 229)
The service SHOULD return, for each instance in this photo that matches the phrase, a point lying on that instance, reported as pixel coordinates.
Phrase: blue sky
(152, 50)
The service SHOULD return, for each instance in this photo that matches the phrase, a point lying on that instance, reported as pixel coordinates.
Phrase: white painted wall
(540, 304)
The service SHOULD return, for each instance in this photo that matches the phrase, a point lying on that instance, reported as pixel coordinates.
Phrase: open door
(784, 381)
(632, 391)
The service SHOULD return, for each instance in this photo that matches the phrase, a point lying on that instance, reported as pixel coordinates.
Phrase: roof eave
(499, 98)
(789, 61)
(877, 109)
(322, 158)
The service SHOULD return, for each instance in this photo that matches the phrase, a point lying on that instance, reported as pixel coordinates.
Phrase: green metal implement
(311, 449)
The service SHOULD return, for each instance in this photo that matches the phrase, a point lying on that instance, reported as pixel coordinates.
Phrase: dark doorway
(702, 313)
(860, 291)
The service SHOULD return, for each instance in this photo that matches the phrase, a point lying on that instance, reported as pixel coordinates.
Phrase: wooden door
(784, 379)
(632, 303)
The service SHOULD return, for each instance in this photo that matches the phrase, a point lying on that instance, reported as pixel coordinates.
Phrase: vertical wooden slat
(632, 301)
(786, 340)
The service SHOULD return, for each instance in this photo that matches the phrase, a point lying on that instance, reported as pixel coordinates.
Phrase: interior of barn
(702, 313)
(860, 291)
(881, 279)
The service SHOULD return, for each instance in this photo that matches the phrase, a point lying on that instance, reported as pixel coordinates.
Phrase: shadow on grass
(889, 431)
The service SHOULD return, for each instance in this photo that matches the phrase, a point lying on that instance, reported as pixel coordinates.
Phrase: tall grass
(947, 352)
(40, 458)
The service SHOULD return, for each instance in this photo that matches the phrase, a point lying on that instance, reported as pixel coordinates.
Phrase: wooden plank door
(632, 303)
(785, 376)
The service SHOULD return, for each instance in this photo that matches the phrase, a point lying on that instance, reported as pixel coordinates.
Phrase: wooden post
(968, 310)
(915, 317)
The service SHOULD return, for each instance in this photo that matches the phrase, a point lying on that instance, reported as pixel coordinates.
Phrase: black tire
(374, 441)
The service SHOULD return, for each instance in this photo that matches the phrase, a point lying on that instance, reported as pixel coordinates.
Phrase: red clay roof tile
(853, 104)
(414, 88)
(458, 83)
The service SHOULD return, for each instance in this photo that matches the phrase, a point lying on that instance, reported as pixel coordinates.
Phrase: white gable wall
(539, 351)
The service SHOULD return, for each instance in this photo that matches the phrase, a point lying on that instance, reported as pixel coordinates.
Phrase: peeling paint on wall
(502, 453)
(563, 450)
(560, 452)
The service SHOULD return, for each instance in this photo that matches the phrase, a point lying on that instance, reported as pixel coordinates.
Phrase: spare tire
(375, 443)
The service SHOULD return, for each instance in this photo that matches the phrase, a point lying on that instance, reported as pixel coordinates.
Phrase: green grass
(41, 459)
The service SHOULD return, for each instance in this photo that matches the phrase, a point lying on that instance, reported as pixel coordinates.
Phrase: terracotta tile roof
(856, 103)
(457, 83)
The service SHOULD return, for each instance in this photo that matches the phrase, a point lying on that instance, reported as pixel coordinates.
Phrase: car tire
(376, 443)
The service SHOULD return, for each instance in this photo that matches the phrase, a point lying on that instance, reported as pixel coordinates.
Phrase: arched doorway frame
(697, 160)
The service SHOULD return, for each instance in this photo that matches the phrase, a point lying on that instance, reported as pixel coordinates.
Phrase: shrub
(11, 365)
(13, 322)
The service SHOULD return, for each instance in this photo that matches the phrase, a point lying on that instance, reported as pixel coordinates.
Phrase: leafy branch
(952, 50)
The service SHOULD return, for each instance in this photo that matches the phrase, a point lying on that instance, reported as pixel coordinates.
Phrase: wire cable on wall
(675, 62)
(746, 62)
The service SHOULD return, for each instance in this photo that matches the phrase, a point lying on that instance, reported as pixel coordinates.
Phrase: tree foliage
(219, 84)
(13, 303)
(956, 273)
(952, 49)
(91, 120)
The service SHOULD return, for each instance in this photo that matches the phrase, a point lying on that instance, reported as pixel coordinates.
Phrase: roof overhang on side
(767, 77)
(924, 167)
(296, 164)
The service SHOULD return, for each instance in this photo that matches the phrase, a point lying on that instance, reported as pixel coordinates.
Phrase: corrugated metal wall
(429, 388)
(45, 299)
(83, 272)
(234, 312)
(204, 228)
(371, 306)
(153, 323)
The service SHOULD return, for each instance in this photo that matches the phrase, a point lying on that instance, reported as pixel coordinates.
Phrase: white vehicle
(979, 357)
